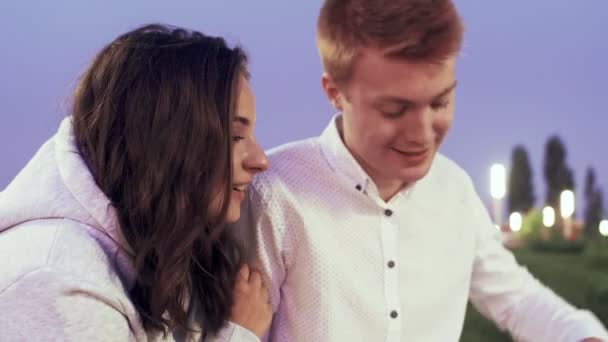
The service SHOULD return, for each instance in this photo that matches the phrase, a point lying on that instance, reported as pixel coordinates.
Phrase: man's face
(395, 115)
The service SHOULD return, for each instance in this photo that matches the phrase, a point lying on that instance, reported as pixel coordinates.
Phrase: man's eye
(393, 114)
(440, 105)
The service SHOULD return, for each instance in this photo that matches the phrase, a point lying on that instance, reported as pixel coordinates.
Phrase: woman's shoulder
(69, 248)
(64, 276)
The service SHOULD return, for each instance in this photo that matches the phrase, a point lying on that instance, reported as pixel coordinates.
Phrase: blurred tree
(594, 211)
(521, 191)
(557, 174)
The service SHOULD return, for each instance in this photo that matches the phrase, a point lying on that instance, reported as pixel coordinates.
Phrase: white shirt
(346, 266)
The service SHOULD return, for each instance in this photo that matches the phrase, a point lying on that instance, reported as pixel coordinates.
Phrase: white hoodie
(65, 268)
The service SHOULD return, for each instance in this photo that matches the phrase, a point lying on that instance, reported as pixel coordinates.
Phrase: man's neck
(387, 188)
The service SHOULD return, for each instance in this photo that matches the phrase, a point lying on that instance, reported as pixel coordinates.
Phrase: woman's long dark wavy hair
(152, 118)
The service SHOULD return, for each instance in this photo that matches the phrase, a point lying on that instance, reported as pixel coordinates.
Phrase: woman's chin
(233, 214)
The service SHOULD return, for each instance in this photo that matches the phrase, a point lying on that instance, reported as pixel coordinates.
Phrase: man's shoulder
(284, 155)
(444, 166)
(295, 168)
(293, 159)
(446, 175)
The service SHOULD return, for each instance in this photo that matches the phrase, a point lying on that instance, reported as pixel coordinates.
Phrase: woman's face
(248, 158)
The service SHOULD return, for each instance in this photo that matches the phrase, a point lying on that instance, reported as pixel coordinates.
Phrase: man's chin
(413, 174)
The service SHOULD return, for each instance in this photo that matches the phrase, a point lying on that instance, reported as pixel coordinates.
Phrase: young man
(366, 232)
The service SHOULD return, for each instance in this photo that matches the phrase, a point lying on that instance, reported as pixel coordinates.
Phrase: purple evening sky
(529, 69)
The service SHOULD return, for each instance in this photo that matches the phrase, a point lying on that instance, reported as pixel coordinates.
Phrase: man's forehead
(370, 56)
(382, 73)
(409, 88)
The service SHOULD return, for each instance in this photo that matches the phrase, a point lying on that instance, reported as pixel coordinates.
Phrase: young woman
(114, 231)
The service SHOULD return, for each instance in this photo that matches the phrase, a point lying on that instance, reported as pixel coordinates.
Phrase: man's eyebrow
(407, 102)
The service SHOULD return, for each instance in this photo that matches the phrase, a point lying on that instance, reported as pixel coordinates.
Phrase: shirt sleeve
(508, 294)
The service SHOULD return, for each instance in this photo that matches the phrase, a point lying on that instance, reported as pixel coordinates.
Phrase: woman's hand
(251, 308)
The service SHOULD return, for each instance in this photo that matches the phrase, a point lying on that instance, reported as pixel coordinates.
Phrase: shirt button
(391, 264)
(394, 314)
(358, 187)
(388, 212)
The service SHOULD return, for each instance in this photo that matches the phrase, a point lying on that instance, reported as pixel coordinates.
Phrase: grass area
(569, 275)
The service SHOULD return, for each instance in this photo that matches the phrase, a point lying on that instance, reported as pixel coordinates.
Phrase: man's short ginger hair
(415, 30)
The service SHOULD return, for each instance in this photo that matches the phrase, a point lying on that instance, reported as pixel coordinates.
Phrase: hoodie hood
(56, 183)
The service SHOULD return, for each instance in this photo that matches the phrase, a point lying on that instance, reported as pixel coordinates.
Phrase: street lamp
(548, 217)
(604, 228)
(566, 203)
(498, 189)
(515, 222)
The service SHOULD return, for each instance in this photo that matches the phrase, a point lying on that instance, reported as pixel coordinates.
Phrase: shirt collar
(344, 163)
(341, 160)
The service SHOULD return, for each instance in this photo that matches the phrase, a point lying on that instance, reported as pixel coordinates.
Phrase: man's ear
(331, 91)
